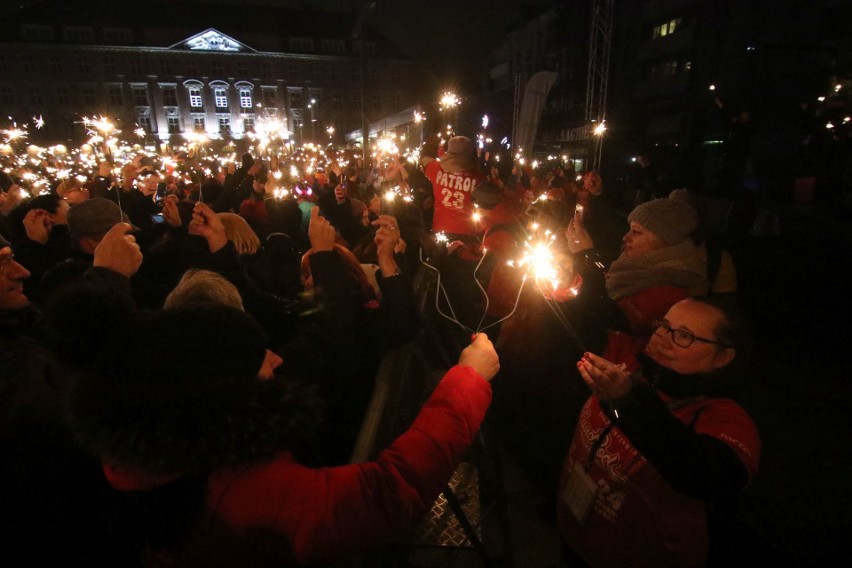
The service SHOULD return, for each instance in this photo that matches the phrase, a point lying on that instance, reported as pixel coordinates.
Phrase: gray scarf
(680, 265)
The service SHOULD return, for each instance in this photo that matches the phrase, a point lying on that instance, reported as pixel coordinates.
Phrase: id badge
(580, 493)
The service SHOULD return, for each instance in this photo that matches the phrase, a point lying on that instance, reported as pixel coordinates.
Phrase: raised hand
(481, 356)
(119, 251)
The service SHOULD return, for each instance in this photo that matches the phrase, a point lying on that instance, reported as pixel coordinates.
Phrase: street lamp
(330, 130)
(313, 120)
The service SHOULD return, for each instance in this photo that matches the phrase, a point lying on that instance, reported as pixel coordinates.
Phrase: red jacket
(309, 515)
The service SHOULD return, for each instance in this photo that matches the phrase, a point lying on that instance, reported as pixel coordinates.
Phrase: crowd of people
(185, 364)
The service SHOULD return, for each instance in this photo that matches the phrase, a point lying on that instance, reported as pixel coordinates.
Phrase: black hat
(487, 195)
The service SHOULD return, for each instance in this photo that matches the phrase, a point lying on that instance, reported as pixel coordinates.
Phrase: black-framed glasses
(683, 338)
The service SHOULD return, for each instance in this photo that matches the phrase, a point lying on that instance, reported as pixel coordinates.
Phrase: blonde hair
(201, 288)
(238, 230)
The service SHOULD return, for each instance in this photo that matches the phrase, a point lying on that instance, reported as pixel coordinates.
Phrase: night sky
(450, 40)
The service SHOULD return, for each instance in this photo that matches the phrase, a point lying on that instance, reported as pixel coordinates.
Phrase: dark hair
(733, 332)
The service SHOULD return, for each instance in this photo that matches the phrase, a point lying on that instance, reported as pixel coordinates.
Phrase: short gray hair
(203, 288)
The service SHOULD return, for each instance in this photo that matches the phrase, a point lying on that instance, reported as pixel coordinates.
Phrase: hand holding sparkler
(320, 232)
(592, 182)
(606, 379)
(205, 223)
(481, 357)
(38, 225)
(119, 251)
(170, 211)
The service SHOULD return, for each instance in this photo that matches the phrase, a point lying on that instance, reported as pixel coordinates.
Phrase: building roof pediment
(212, 39)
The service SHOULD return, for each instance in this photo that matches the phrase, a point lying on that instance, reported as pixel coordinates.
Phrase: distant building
(152, 70)
(723, 93)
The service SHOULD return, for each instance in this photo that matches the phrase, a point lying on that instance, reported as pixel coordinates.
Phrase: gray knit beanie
(672, 220)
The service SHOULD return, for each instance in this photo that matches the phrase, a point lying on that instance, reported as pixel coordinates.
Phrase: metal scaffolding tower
(600, 44)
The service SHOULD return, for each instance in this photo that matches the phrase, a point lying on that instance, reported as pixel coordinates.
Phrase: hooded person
(454, 176)
(199, 440)
(659, 264)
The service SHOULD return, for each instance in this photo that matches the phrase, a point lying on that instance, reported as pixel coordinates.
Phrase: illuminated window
(198, 123)
(220, 95)
(224, 124)
(248, 124)
(195, 97)
(245, 97)
(666, 28)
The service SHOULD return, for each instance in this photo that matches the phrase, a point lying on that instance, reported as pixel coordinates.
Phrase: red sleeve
(729, 423)
(336, 511)
(431, 170)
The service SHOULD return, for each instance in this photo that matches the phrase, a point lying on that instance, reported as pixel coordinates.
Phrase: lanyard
(596, 445)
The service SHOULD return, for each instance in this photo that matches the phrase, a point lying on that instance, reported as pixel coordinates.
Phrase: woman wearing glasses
(658, 450)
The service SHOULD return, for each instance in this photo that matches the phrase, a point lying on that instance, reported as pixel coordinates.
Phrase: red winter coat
(280, 512)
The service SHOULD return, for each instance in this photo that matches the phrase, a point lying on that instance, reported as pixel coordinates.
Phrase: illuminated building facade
(170, 79)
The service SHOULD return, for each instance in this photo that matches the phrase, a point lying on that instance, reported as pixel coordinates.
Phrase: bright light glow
(484, 121)
(449, 100)
(600, 129)
(821, 99)
(712, 87)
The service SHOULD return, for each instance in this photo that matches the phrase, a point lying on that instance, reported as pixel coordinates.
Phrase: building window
(118, 35)
(267, 69)
(245, 98)
(115, 96)
(664, 69)
(191, 68)
(83, 66)
(170, 96)
(224, 124)
(295, 99)
(333, 46)
(220, 95)
(35, 96)
(195, 97)
(78, 33)
(269, 99)
(377, 102)
(145, 123)
(248, 124)
(35, 32)
(165, 67)
(302, 44)
(27, 63)
(135, 66)
(198, 123)
(109, 65)
(57, 66)
(336, 74)
(140, 96)
(337, 101)
(218, 69)
(7, 96)
(666, 28)
(173, 124)
(242, 69)
(62, 96)
(89, 96)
